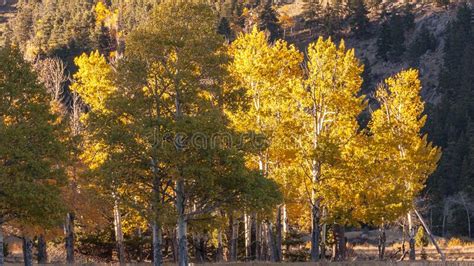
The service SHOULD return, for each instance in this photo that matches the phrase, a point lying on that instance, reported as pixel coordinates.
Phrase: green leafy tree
(167, 127)
(31, 153)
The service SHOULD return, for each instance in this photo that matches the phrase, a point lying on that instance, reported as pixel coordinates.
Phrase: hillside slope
(435, 19)
(7, 11)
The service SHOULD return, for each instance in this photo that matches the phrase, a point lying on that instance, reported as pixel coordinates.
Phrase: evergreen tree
(30, 150)
(384, 43)
(391, 39)
(224, 28)
(358, 20)
(423, 42)
(450, 121)
(408, 17)
(268, 21)
(397, 37)
(312, 12)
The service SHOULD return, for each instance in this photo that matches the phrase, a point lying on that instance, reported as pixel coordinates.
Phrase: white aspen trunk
(140, 246)
(69, 232)
(285, 221)
(315, 217)
(431, 218)
(182, 224)
(382, 240)
(1, 245)
(468, 223)
(315, 233)
(271, 242)
(468, 216)
(279, 234)
(411, 236)
(220, 246)
(156, 226)
(247, 235)
(42, 250)
(433, 240)
(157, 243)
(118, 231)
(443, 233)
(404, 234)
(257, 227)
(323, 241)
(265, 242)
(27, 251)
(234, 240)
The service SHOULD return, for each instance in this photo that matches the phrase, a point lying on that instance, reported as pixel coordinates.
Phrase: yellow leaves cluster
(389, 165)
(93, 81)
(95, 155)
(104, 16)
(309, 117)
(267, 73)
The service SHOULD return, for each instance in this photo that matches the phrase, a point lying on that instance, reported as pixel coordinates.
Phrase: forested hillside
(234, 130)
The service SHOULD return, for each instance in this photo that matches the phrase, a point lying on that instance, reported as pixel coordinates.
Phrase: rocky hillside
(434, 18)
(7, 11)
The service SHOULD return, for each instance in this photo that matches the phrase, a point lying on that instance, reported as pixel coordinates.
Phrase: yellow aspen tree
(266, 72)
(404, 154)
(329, 105)
(94, 84)
(93, 80)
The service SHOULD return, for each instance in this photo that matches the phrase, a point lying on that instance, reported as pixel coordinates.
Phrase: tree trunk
(174, 245)
(182, 224)
(156, 226)
(446, 206)
(118, 231)
(253, 236)
(315, 232)
(382, 240)
(27, 251)
(140, 245)
(279, 235)
(220, 246)
(1, 245)
(433, 240)
(248, 237)
(264, 252)
(157, 244)
(197, 252)
(271, 242)
(42, 250)
(339, 251)
(285, 221)
(69, 232)
(468, 221)
(234, 238)
(411, 236)
(257, 232)
(315, 213)
(324, 231)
